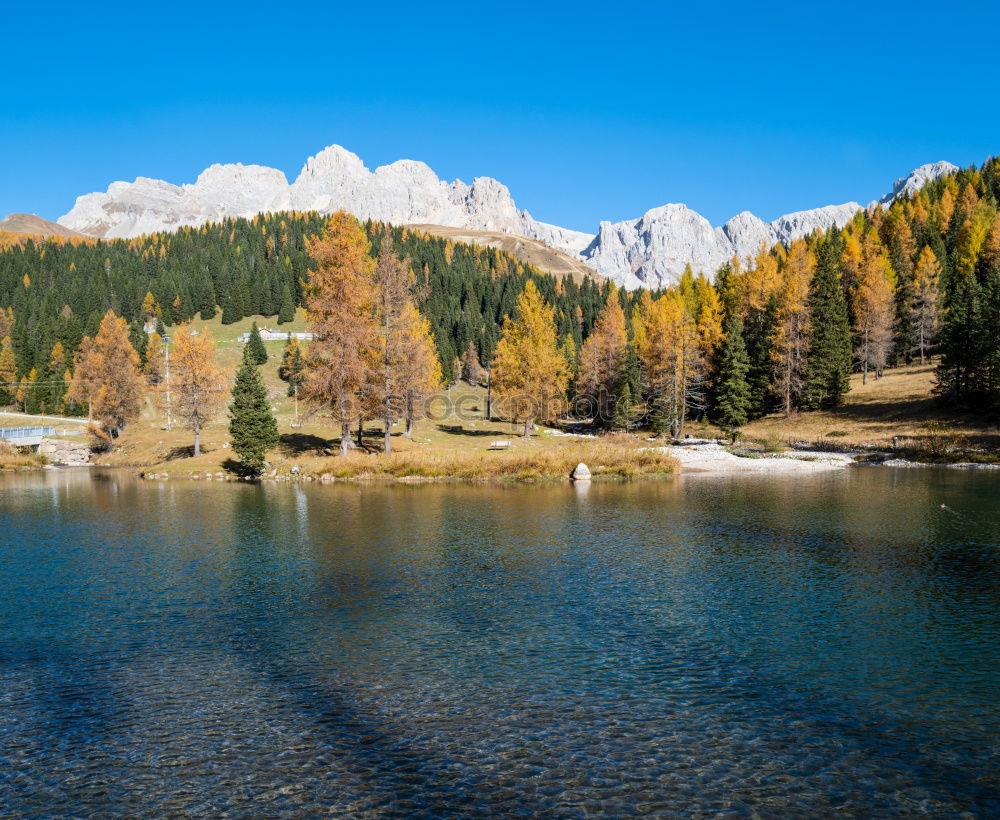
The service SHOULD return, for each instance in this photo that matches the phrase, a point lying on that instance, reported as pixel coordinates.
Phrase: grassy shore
(897, 413)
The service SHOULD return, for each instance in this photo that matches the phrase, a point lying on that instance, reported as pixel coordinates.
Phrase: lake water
(698, 645)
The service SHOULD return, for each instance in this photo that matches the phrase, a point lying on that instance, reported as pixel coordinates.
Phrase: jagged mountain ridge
(649, 251)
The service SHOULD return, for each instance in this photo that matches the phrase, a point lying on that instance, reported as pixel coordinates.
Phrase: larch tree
(108, 378)
(874, 307)
(197, 383)
(925, 307)
(602, 358)
(154, 366)
(292, 367)
(419, 371)
(394, 284)
(8, 371)
(530, 373)
(672, 365)
(340, 301)
(791, 338)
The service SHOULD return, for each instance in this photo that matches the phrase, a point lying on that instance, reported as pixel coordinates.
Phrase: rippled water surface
(700, 645)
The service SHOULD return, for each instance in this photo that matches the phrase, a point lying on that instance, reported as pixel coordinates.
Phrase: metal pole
(489, 391)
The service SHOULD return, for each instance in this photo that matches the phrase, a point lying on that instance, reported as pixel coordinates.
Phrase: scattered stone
(581, 472)
(64, 452)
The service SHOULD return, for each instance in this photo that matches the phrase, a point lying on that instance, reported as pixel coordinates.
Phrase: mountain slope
(35, 226)
(530, 251)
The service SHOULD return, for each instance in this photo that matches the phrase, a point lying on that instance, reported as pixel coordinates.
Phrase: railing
(13, 434)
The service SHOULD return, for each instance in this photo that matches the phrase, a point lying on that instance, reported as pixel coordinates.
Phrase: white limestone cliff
(651, 250)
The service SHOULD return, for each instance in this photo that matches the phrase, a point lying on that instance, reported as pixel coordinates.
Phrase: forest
(781, 331)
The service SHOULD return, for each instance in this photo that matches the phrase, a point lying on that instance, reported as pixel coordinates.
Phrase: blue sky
(587, 111)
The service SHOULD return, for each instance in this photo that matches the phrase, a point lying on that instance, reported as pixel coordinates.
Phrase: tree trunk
(197, 438)
(345, 438)
(527, 428)
(388, 437)
(361, 433)
(409, 426)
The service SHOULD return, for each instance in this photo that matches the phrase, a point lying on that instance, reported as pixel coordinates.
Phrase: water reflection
(699, 645)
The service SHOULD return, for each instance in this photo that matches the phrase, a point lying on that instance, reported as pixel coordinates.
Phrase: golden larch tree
(107, 378)
(874, 306)
(197, 384)
(530, 373)
(602, 359)
(791, 335)
(926, 304)
(340, 301)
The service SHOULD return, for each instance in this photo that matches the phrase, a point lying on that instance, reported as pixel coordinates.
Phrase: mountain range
(650, 251)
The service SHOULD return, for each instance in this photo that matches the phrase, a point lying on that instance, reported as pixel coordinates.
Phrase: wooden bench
(499, 445)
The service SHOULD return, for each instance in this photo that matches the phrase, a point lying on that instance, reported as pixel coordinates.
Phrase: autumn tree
(197, 383)
(292, 367)
(472, 371)
(107, 378)
(394, 283)
(602, 358)
(791, 338)
(672, 364)
(8, 371)
(154, 359)
(873, 307)
(530, 373)
(419, 369)
(340, 299)
(925, 306)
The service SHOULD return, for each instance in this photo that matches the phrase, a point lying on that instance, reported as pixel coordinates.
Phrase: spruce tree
(255, 349)
(758, 336)
(829, 363)
(286, 312)
(252, 427)
(732, 394)
(623, 408)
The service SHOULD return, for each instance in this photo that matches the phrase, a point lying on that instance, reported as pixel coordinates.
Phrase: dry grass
(617, 456)
(13, 459)
(898, 406)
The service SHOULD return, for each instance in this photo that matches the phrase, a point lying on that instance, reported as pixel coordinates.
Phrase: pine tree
(252, 426)
(732, 394)
(828, 369)
(255, 349)
(624, 409)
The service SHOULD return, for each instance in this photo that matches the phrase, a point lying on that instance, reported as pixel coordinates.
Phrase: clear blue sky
(587, 111)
